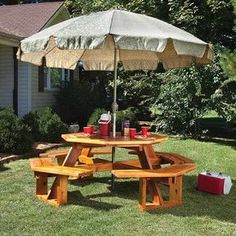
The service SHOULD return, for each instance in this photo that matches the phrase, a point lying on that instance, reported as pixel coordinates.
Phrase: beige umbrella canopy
(101, 40)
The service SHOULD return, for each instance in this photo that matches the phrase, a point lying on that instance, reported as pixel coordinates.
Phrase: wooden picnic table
(143, 146)
(79, 162)
(83, 144)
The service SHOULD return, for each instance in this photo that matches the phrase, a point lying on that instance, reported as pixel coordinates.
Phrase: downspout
(15, 88)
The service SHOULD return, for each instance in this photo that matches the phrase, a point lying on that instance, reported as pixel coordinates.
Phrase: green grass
(94, 210)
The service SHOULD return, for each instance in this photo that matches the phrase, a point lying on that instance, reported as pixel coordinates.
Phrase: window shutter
(41, 78)
(71, 75)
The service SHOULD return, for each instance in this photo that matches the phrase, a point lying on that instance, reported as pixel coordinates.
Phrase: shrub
(32, 120)
(93, 119)
(45, 125)
(15, 137)
(77, 100)
(128, 114)
(178, 105)
(225, 101)
(50, 125)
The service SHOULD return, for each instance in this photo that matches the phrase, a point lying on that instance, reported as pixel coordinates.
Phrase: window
(54, 78)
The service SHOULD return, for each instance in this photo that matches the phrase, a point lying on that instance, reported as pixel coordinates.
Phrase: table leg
(113, 160)
(73, 155)
(149, 160)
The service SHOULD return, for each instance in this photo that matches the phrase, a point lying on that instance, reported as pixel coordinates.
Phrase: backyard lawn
(94, 210)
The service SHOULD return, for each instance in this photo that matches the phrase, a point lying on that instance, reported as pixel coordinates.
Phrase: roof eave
(9, 40)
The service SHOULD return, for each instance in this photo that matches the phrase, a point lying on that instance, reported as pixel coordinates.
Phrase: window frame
(63, 79)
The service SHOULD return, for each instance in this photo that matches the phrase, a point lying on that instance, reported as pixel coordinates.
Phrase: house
(25, 87)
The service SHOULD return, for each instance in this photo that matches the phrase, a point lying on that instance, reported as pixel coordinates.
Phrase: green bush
(32, 120)
(15, 137)
(45, 125)
(76, 101)
(225, 101)
(179, 104)
(50, 125)
(128, 114)
(95, 116)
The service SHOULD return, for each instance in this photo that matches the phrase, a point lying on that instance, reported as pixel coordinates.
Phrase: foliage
(225, 101)
(211, 20)
(128, 114)
(93, 119)
(228, 63)
(15, 137)
(50, 125)
(76, 101)
(45, 125)
(137, 90)
(185, 96)
(32, 120)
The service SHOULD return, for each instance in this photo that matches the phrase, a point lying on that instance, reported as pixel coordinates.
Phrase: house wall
(24, 88)
(6, 76)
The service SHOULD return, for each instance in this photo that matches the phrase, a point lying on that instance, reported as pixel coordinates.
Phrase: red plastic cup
(87, 130)
(144, 130)
(132, 132)
(92, 128)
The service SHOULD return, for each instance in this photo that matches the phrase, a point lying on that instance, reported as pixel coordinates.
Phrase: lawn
(94, 210)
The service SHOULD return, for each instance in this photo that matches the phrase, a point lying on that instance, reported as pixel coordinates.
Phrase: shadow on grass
(220, 141)
(125, 190)
(3, 168)
(196, 203)
(76, 198)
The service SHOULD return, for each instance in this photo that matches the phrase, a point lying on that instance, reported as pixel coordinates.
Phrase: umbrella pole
(114, 109)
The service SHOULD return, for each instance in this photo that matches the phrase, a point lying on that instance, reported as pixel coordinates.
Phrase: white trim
(9, 42)
(29, 67)
(63, 78)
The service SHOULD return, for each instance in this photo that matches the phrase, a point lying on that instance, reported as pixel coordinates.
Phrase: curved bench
(170, 158)
(149, 183)
(44, 168)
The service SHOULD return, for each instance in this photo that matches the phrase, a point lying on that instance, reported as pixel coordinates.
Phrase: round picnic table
(83, 143)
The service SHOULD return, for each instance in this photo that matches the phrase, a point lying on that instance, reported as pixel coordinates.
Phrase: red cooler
(105, 124)
(214, 182)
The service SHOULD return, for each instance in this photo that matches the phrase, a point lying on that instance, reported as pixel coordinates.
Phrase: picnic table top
(96, 139)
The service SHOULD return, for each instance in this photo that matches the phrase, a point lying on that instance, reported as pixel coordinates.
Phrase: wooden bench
(170, 158)
(60, 155)
(149, 181)
(44, 168)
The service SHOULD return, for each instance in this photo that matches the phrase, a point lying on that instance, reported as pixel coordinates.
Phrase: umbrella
(101, 40)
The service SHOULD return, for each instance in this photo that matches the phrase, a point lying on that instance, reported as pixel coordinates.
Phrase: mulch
(37, 149)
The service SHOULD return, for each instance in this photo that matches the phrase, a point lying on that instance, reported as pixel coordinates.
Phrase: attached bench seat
(44, 168)
(170, 158)
(149, 181)
(60, 155)
(174, 158)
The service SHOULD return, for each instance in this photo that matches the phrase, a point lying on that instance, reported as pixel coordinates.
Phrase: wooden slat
(60, 154)
(174, 158)
(62, 170)
(170, 171)
(34, 162)
(101, 151)
(128, 164)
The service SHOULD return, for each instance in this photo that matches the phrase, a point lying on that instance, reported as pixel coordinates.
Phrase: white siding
(40, 99)
(6, 76)
(24, 88)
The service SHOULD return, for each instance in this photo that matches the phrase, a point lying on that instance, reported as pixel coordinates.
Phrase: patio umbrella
(101, 40)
